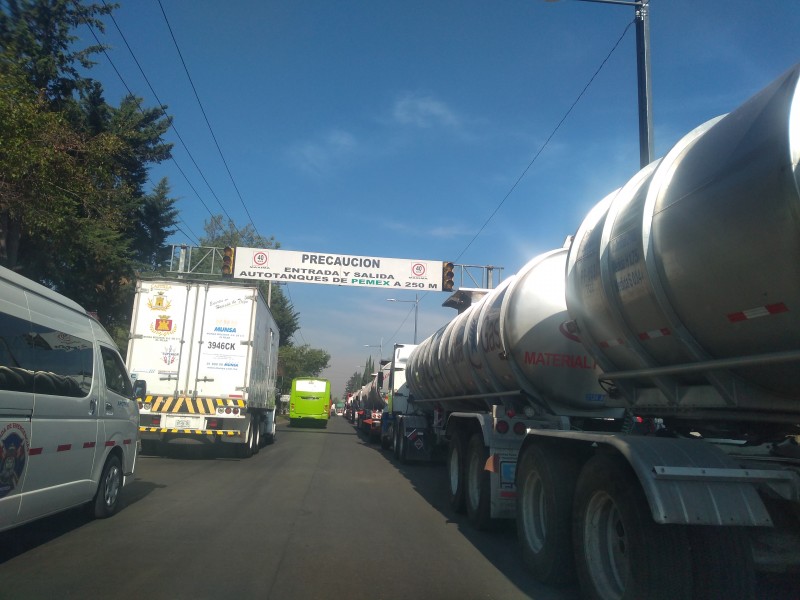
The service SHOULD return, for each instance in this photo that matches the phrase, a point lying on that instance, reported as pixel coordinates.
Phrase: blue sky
(395, 129)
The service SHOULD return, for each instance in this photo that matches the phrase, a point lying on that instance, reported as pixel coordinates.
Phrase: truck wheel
(402, 446)
(545, 490)
(245, 450)
(477, 492)
(106, 499)
(396, 439)
(386, 438)
(455, 470)
(620, 552)
(257, 436)
(722, 563)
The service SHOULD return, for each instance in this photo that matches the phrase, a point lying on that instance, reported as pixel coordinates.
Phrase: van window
(117, 379)
(41, 360)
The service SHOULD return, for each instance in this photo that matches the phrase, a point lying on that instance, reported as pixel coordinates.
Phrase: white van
(68, 424)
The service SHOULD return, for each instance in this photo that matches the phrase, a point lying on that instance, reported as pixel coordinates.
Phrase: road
(319, 514)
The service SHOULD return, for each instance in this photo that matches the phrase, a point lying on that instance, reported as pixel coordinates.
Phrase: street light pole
(380, 358)
(644, 86)
(416, 311)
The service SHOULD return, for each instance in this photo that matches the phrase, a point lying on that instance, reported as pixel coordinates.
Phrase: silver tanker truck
(633, 398)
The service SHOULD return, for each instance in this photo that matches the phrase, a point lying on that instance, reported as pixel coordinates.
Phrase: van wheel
(106, 500)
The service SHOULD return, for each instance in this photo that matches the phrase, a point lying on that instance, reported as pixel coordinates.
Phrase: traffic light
(228, 255)
(448, 276)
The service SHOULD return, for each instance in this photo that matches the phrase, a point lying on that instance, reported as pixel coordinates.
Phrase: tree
(73, 167)
(300, 361)
(38, 36)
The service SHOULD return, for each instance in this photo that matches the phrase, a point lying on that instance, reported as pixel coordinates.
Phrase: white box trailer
(208, 352)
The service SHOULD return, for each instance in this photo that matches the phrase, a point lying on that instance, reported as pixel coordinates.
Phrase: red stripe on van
(110, 443)
(64, 447)
(34, 451)
(89, 444)
(126, 442)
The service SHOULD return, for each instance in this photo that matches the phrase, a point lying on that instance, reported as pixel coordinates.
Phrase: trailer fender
(474, 422)
(686, 482)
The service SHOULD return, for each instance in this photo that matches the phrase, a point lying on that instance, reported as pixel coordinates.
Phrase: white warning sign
(285, 266)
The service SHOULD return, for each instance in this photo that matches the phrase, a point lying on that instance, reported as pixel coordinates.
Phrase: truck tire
(722, 563)
(245, 450)
(620, 552)
(456, 457)
(402, 444)
(478, 493)
(106, 499)
(386, 438)
(257, 426)
(396, 439)
(545, 491)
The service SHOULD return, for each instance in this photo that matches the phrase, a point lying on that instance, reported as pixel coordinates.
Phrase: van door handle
(92, 406)
(109, 408)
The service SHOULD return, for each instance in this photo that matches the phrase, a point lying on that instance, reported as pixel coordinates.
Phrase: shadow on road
(24, 538)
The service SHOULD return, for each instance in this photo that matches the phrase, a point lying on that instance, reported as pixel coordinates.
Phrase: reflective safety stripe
(190, 431)
(203, 406)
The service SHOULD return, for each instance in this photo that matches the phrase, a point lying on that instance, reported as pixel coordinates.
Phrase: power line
(202, 110)
(161, 106)
(547, 141)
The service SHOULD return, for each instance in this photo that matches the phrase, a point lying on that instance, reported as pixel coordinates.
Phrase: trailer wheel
(722, 563)
(545, 491)
(620, 552)
(245, 450)
(106, 499)
(478, 486)
(455, 469)
(257, 425)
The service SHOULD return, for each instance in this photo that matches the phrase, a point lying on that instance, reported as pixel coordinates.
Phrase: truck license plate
(184, 422)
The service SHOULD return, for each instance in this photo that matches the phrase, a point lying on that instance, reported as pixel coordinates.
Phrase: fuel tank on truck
(514, 339)
(697, 259)
(547, 360)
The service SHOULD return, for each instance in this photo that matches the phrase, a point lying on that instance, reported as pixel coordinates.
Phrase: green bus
(310, 400)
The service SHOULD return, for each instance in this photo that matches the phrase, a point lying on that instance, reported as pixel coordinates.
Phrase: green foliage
(359, 379)
(300, 361)
(73, 167)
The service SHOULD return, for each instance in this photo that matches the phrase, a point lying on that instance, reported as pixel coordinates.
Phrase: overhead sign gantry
(284, 266)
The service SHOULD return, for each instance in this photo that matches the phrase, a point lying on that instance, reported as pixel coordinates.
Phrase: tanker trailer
(636, 394)
(684, 287)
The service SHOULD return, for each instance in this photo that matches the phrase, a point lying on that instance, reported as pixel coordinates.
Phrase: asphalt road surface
(319, 514)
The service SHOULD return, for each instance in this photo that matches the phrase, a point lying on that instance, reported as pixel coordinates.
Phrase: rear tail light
(519, 428)
(212, 424)
(156, 422)
(501, 427)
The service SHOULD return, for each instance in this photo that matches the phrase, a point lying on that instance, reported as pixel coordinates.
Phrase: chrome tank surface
(547, 360)
(698, 258)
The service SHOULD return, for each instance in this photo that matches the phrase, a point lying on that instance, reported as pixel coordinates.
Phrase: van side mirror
(139, 388)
